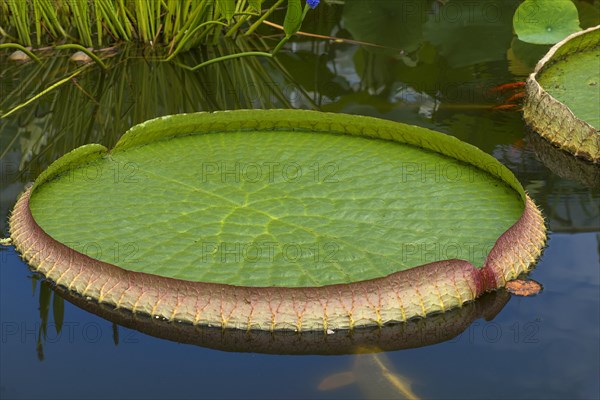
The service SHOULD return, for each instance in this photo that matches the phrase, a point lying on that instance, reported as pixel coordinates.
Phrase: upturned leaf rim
(420, 291)
(554, 120)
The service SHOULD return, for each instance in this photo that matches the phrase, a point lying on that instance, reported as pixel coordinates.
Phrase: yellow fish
(373, 373)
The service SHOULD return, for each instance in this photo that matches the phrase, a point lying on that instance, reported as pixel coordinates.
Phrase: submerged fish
(373, 373)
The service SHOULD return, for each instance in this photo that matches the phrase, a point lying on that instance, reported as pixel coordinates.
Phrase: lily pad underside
(415, 333)
(563, 95)
(279, 220)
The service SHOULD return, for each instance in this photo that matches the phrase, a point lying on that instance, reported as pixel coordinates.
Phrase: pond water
(435, 67)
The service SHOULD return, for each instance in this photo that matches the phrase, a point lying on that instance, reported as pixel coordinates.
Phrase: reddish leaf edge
(418, 292)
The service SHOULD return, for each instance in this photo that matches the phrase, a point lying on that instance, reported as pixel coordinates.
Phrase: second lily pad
(545, 21)
(563, 95)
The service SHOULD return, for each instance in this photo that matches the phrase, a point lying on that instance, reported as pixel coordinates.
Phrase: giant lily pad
(279, 220)
(563, 94)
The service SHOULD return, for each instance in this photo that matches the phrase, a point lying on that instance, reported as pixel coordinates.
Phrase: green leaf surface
(575, 81)
(545, 21)
(227, 8)
(239, 204)
(256, 4)
(293, 17)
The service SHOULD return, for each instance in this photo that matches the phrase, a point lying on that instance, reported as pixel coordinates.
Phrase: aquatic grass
(20, 19)
(81, 20)
(294, 17)
(50, 19)
(111, 15)
(97, 23)
(170, 26)
(191, 33)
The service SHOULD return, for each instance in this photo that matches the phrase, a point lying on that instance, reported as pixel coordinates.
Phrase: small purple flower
(312, 3)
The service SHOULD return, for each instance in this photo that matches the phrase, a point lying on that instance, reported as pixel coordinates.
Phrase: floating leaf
(563, 95)
(251, 208)
(545, 21)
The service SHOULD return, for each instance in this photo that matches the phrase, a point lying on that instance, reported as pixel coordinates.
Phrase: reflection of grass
(94, 106)
(47, 296)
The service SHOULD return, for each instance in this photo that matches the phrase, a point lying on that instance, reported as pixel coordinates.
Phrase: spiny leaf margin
(401, 296)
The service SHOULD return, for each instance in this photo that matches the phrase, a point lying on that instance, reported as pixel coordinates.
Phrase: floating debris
(80, 58)
(521, 287)
(19, 56)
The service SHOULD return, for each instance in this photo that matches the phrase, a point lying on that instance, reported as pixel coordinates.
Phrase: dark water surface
(435, 70)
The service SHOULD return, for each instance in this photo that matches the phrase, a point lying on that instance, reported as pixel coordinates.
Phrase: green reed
(176, 25)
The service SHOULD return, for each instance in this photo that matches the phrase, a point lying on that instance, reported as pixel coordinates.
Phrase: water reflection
(564, 164)
(564, 187)
(416, 333)
(98, 106)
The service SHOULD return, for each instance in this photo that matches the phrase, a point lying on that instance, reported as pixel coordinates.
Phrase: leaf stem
(23, 49)
(37, 96)
(84, 50)
(227, 57)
